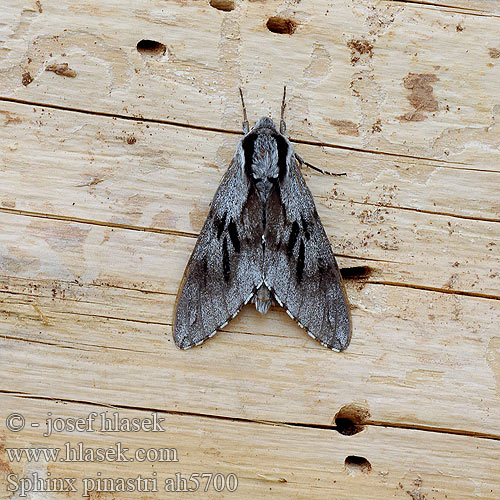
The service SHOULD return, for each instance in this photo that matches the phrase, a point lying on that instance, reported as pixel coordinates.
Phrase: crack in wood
(457, 9)
(421, 210)
(436, 289)
(441, 163)
(92, 222)
(76, 347)
(374, 423)
(366, 282)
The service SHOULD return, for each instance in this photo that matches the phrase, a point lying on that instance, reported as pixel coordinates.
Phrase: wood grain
(342, 64)
(111, 291)
(284, 461)
(384, 212)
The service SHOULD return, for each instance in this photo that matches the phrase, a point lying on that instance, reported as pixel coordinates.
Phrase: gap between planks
(441, 163)
(150, 229)
(374, 423)
(457, 9)
(413, 286)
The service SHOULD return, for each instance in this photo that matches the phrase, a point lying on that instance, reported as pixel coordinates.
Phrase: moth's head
(265, 123)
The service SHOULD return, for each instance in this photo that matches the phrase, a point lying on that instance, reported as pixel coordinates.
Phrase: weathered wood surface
(107, 169)
(345, 63)
(284, 461)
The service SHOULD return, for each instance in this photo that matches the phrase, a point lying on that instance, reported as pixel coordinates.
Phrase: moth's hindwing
(225, 267)
(299, 266)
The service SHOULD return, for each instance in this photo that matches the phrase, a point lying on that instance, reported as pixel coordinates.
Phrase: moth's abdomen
(262, 299)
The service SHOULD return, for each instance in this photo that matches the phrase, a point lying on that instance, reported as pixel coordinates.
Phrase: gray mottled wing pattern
(299, 266)
(226, 265)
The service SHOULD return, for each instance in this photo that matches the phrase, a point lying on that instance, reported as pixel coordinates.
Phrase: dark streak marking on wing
(220, 224)
(226, 269)
(301, 261)
(233, 234)
(292, 239)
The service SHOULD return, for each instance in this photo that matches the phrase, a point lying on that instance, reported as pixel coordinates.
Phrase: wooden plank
(270, 461)
(401, 215)
(339, 64)
(85, 305)
(471, 7)
(82, 155)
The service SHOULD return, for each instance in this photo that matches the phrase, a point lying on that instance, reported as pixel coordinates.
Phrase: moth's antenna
(307, 164)
(246, 127)
(283, 106)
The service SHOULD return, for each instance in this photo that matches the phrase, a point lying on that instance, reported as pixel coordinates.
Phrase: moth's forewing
(299, 265)
(226, 264)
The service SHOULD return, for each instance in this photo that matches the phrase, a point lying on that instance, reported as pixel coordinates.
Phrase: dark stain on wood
(359, 48)
(26, 78)
(421, 96)
(494, 53)
(346, 127)
(61, 69)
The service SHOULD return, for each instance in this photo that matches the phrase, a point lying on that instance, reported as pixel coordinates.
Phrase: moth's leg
(246, 127)
(302, 162)
(283, 106)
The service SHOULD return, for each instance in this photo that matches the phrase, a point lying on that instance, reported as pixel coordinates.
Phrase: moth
(263, 241)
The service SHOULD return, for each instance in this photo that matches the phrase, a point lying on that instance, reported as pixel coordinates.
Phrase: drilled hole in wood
(281, 25)
(355, 272)
(225, 5)
(350, 419)
(151, 48)
(357, 465)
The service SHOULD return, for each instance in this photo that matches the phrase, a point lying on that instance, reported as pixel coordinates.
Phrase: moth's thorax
(265, 155)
